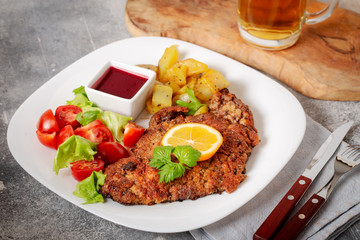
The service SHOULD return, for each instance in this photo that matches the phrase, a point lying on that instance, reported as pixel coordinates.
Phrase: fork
(344, 162)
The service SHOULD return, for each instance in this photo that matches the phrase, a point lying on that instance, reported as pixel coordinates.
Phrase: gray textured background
(38, 39)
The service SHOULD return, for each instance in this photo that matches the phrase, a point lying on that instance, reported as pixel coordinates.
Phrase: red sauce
(120, 83)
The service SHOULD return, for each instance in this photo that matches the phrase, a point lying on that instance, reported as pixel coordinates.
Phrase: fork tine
(352, 152)
(357, 154)
(350, 149)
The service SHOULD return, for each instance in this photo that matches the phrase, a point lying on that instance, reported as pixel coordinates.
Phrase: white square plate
(278, 116)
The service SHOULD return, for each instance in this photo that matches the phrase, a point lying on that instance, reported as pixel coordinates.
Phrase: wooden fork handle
(298, 222)
(282, 211)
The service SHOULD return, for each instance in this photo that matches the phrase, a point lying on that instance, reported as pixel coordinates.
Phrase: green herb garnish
(193, 105)
(87, 117)
(169, 170)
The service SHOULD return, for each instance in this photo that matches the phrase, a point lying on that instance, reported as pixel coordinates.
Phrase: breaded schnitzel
(132, 181)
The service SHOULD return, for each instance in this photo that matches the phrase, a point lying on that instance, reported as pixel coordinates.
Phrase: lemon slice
(201, 137)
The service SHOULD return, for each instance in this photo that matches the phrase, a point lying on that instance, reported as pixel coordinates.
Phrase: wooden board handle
(282, 211)
(299, 221)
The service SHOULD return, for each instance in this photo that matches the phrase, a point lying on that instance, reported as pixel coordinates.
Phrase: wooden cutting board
(324, 64)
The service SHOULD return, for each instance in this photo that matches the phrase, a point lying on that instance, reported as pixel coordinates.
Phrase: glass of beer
(276, 24)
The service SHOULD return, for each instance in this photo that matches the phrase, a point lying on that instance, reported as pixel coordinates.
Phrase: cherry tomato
(47, 139)
(89, 126)
(47, 122)
(64, 134)
(110, 152)
(95, 132)
(132, 133)
(66, 115)
(83, 169)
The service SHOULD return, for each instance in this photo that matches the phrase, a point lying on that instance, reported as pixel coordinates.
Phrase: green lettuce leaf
(91, 108)
(73, 149)
(80, 90)
(89, 187)
(115, 122)
(81, 100)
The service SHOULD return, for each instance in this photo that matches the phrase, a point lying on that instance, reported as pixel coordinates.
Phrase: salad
(87, 139)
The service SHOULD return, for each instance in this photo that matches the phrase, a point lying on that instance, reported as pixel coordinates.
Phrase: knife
(287, 204)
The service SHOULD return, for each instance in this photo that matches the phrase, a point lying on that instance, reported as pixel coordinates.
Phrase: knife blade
(287, 204)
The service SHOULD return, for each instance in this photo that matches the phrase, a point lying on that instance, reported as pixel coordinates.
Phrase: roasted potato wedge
(176, 73)
(214, 80)
(151, 108)
(174, 86)
(162, 96)
(203, 92)
(170, 56)
(194, 66)
(182, 90)
(191, 80)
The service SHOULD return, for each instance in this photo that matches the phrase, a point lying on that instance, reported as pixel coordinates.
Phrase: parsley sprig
(193, 105)
(169, 170)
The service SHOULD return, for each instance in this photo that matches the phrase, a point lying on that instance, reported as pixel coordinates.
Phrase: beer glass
(276, 24)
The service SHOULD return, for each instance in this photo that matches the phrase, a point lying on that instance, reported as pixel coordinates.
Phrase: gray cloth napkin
(338, 213)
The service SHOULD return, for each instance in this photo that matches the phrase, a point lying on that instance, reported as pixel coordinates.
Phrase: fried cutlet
(132, 181)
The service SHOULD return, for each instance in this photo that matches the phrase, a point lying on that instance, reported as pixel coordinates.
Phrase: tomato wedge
(66, 115)
(83, 169)
(47, 139)
(95, 132)
(89, 126)
(47, 122)
(111, 152)
(132, 134)
(47, 128)
(64, 134)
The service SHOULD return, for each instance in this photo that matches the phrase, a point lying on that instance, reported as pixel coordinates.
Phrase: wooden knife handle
(298, 222)
(282, 211)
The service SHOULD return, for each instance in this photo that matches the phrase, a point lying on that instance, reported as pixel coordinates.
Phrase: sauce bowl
(121, 88)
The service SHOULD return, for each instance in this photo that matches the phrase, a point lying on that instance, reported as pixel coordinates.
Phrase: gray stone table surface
(38, 39)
